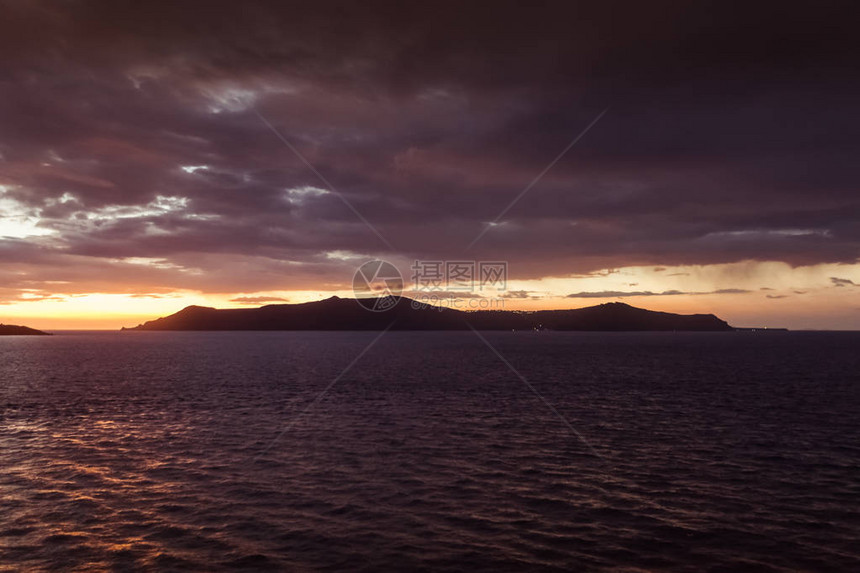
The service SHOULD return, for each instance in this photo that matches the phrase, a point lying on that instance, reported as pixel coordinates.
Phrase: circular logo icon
(377, 285)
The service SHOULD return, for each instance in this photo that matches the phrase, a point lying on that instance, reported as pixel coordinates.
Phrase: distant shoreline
(339, 314)
(14, 330)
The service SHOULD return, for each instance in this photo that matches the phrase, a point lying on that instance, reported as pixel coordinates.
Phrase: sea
(430, 451)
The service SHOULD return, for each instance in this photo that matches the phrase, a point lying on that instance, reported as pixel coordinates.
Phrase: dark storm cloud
(130, 131)
(621, 294)
(625, 294)
(257, 300)
(519, 294)
(149, 295)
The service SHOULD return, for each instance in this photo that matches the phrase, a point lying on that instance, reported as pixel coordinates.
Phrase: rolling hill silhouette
(346, 314)
(12, 330)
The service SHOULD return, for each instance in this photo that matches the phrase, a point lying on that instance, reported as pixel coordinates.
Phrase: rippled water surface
(149, 450)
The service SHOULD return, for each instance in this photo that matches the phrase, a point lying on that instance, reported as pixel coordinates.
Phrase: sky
(155, 155)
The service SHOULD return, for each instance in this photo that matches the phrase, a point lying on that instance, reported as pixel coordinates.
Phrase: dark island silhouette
(346, 314)
(12, 330)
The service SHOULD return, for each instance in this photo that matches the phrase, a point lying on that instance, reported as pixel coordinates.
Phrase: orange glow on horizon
(743, 294)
